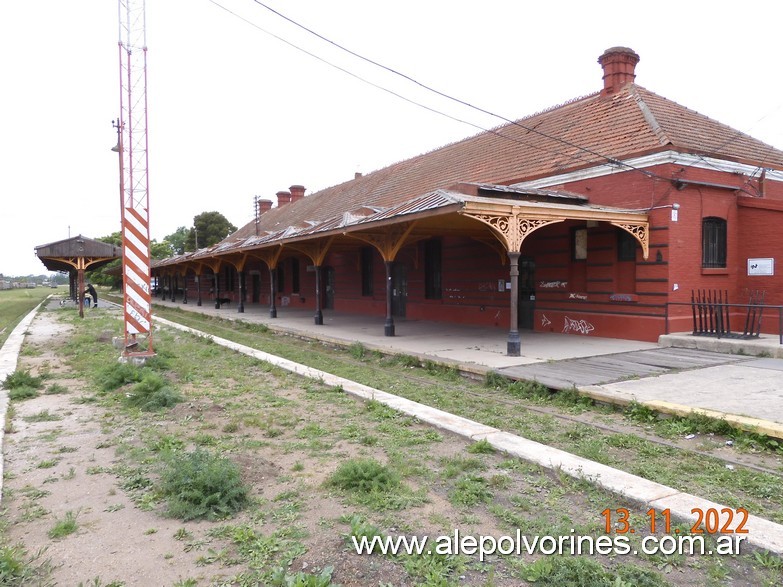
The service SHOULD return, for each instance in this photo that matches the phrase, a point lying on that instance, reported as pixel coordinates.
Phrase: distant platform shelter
(75, 255)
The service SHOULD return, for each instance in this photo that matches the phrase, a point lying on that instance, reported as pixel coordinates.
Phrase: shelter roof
(61, 255)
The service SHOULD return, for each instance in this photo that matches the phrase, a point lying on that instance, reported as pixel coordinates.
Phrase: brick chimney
(283, 197)
(264, 206)
(619, 65)
(297, 192)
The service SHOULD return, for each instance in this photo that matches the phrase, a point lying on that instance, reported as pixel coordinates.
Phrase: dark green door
(399, 290)
(328, 276)
(527, 292)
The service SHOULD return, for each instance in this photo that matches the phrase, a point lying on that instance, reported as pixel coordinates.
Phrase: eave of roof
(437, 203)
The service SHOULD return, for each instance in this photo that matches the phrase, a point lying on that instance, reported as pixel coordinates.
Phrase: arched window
(713, 242)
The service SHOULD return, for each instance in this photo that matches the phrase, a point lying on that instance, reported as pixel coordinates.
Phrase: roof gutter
(681, 184)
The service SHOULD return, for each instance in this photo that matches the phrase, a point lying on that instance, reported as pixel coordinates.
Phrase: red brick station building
(597, 217)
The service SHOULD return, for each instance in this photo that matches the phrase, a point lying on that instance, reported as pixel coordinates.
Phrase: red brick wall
(761, 225)
(599, 296)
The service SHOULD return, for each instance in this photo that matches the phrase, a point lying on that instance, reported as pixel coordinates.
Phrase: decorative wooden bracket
(640, 231)
(389, 241)
(316, 250)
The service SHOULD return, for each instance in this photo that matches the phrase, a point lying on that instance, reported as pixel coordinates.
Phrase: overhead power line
(392, 92)
(409, 78)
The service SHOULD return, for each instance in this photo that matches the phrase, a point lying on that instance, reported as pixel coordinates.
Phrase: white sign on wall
(764, 266)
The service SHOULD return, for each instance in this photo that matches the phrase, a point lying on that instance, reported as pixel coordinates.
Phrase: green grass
(64, 526)
(481, 447)
(500, 403)
(43, 416)
(469, 491)
(263, 411)
(17, 568)
(15, 304)
(565, 571)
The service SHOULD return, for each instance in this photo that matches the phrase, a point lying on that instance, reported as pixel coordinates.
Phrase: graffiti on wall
(617, 297)
(545, 321)
(572, 325)
(577, 296)
(552, 284)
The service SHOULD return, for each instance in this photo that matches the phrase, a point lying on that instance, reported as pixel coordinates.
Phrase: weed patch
(152, 394)
(364, 476)
(17, 568)
(21, 385)
(201, 484)
(583, 572)
(64, 526)
(481, 447)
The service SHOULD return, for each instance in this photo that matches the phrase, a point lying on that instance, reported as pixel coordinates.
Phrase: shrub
(152, 393)
(201, 484)
(22, 385)
(118, 374)
(21, 393)
(19, 379)
(364, 476)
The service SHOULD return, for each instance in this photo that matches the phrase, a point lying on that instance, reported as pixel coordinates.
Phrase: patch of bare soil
(61, 466)
(66, 455)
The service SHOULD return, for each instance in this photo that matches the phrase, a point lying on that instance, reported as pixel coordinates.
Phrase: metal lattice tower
(134, 185)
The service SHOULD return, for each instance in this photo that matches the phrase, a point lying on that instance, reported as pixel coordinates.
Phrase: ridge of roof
(649, 116)
(555, 107)
(698, 133)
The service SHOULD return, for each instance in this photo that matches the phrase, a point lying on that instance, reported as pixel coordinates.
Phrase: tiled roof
(590, 129)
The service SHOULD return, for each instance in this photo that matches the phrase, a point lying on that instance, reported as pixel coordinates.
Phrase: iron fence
(712, 315)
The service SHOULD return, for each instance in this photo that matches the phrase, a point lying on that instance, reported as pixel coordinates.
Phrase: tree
(111, 273)
(177, 239)
(104, 275)
(162, 250)
(211, 227)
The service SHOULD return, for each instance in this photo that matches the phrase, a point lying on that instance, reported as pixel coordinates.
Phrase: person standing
(93, 294)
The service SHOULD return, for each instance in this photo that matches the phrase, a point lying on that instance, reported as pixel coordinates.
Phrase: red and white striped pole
(134, 185)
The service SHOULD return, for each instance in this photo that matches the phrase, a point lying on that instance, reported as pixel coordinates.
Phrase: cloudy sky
(236, 112)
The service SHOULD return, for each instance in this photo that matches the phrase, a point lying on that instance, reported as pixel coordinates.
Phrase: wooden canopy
(75, 255)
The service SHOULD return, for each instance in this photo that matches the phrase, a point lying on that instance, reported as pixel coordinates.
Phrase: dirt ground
(70, 454)
(66, 465)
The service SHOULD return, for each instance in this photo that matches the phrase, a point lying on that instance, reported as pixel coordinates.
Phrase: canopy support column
(514, 344)
(388, 326)
(241, 305)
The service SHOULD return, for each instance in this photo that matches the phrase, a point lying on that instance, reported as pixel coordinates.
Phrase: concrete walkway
(745, 392)
(9, 356)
